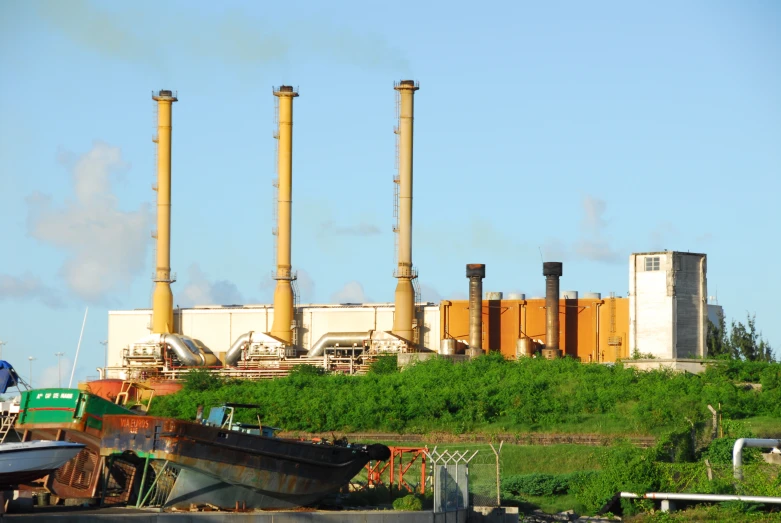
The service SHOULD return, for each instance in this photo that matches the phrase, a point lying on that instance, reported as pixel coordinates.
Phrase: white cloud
(29, 287)
(106, 246)
(352, 292)
(200, 290)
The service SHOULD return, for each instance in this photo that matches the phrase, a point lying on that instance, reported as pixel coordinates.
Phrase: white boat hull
(31, 460)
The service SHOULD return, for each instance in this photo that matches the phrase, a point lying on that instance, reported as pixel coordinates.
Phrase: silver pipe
(234, 353)
(344, 339)
(700, 497)
(737, 451)
(188, 355)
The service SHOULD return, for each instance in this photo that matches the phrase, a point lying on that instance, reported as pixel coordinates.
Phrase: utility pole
(31, 369)
(105, 350)
(59, 374)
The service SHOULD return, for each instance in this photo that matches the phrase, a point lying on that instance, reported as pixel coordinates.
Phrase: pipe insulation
(737, 451)
(344, 339)
(675, 496)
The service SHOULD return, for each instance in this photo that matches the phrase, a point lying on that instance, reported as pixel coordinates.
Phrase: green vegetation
(740, 342)
(490, 394)
(409, 502)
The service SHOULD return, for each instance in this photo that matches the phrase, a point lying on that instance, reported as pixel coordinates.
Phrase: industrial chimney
(405, 294)
(552, 272)
(162, 299)
(475, 272)
(283, 294)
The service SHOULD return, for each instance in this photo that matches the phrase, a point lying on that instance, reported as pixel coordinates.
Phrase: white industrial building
(218, 327)
(668, 308)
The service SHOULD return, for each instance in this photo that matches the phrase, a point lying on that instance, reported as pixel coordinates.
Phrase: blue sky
(582, 130)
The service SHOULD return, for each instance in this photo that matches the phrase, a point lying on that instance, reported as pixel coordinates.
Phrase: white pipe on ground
(673, 496)
(737, 451)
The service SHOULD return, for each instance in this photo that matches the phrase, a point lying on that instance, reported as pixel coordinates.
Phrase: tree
(739, 342)
(747, 343)
(718, 342)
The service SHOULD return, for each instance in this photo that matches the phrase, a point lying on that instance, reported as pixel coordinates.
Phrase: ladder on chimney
(155, 139)
(418, 308)
(396, 183)
(275, 184)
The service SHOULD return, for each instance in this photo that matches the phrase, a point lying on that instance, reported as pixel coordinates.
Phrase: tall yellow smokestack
(405, 294)
(162, 299)
(283, 294)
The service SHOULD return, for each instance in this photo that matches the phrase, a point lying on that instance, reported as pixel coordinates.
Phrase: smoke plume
(134, 33)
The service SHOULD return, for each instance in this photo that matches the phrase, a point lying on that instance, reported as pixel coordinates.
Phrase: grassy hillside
(494, 395)
(491, 395)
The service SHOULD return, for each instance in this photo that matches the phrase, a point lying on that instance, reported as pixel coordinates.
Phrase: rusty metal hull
(282, 473)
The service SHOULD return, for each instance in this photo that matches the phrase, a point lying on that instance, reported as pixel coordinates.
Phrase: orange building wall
(505, 321)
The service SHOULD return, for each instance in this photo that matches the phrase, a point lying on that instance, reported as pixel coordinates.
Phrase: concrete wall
(651, 306)
(137, 516)
(668, 304)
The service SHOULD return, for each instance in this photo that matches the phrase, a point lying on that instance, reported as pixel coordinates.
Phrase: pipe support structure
(284, 314)
(405, 273)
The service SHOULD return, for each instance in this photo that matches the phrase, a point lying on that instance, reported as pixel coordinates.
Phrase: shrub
(200, 380)
(409, 502)
(384, 365)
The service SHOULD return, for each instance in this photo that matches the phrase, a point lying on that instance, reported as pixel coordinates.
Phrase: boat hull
(281, 473)
(28, 461)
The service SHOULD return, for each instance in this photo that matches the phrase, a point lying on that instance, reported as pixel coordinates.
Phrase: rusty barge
(227, 464)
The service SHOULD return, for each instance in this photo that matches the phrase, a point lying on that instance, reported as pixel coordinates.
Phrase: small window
(652, 263)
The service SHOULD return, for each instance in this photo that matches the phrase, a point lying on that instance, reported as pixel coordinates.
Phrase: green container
(64, 406)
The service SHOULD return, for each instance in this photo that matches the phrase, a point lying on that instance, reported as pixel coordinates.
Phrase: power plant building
(664, 315)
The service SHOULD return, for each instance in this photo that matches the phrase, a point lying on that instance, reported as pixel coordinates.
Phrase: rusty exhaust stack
(283, 294)
(475, 272)
(162, 298)
(405, 294)
(552, 272)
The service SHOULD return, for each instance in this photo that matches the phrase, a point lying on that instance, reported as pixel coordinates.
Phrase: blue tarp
(8, 376)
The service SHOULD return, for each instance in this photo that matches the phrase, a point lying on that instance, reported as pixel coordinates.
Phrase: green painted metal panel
(65, 406)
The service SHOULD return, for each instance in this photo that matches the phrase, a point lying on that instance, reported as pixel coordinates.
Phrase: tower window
(652, 263)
